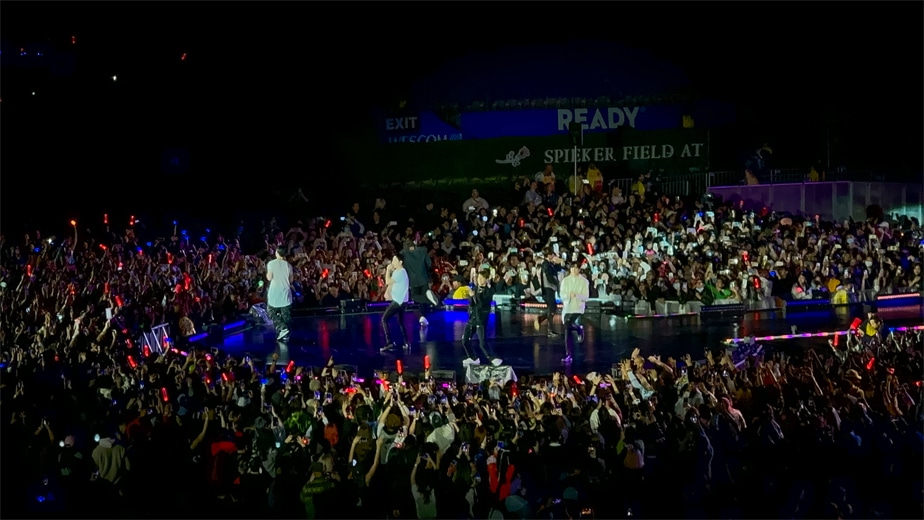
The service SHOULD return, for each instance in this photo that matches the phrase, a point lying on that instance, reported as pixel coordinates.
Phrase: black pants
(572, 331)
(476, 326)
(281, 316)
(548, 296)
(419, 295)
(394, 309)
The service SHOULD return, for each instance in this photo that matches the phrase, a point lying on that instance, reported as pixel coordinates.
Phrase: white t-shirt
(581, 289)
(280, 289)
(399, 286)
(424, 510)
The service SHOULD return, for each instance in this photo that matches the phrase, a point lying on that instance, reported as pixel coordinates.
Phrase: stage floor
(355, 339)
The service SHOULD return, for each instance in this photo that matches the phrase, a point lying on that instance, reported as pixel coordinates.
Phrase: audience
(95, 424)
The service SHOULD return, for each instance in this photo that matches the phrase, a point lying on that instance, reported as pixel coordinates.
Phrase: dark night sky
(268, 85)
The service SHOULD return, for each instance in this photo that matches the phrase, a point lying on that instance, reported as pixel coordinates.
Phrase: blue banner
(551, 121)
(417, 127)
(422, 127)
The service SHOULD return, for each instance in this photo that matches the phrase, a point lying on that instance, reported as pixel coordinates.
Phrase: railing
(699, 183)
(793, 176)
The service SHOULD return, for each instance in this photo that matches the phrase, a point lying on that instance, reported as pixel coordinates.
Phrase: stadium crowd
(94, 425)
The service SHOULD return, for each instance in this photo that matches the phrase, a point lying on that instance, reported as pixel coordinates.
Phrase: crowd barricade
(157, 340)
(216, 332)
(630, 307)
(475, 374)
(887, 305)
(259, 313)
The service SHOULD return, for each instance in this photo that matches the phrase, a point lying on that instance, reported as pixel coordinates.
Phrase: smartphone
(501, 445)
(317, 396)
(108, 314)
(399, 439)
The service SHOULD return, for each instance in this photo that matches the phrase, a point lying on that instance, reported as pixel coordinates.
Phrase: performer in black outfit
(551, 266)
(418, 265)
(479, 307)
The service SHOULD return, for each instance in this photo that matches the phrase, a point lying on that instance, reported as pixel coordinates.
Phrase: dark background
(267, 89)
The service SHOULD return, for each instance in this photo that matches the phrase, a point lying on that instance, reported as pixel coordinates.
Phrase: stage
(355, 339)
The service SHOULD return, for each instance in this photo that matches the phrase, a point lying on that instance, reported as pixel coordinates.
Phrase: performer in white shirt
(397, 290)
(574, 291)
(279, 294)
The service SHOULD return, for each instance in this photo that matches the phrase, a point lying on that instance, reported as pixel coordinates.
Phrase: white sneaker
(283, 335)
(424, 322)
(497, 361)
(471, 361)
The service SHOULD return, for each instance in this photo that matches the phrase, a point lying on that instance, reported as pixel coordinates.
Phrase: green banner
(619, 154)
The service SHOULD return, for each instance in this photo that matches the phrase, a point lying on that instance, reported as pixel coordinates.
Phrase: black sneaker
(389, 347)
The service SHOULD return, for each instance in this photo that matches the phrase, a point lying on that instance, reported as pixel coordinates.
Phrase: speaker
(722, 312)
(575, 135)
(352, 306)
(216, 334)
(593, 307)
(443, 375)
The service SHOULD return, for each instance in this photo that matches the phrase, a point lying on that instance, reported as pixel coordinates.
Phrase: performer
(479, 307)
(575, 290)
(279, 294)
(866, 334)
(551, 266)
(397, 290)
(417, 264)
(869, 330)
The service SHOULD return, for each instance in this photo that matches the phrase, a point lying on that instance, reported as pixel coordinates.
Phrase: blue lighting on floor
(797, 303)
(198, 337)
(234, 341)
(235, 325)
